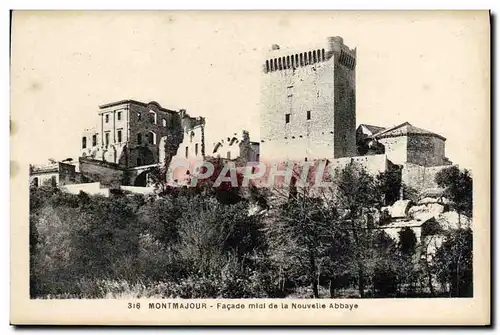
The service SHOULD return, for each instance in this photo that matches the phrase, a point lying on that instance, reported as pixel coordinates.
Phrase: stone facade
(309, 103)
(373, 164)
(406, 143)
(54, 174)
(237, 147)
(129, 133)
(421, 177)
(108, 174)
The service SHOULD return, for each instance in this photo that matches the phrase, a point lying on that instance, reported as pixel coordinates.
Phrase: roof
(406, 129)
(130, 101)
(373, 129)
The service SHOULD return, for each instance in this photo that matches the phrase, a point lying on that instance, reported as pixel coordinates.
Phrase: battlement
(279, 59)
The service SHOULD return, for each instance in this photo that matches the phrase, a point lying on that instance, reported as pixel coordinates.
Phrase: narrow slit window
(308, 115)
(287, 118)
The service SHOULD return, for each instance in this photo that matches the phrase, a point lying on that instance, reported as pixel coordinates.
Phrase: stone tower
(308, 108)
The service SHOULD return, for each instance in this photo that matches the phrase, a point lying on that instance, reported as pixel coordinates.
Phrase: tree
(453, 262)
(458, 188)
(300, 239)
(389, 184)
(356, 193)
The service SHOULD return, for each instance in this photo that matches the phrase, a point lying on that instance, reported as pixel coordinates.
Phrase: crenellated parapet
(291, 59)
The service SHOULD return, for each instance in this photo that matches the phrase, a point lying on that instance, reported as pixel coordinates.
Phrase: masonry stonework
(308, 103)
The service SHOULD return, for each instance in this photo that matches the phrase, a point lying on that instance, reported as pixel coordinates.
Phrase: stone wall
(425, 150)
(67, 174)
(108, 174)
(373, 164)
(420, 177)
(395, 149)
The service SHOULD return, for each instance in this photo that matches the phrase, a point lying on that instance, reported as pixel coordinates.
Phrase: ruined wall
(108, 174)
(426, 150)
(299, 109)
(143, 122)
(420, 177)
(67, 174)
(117, 132)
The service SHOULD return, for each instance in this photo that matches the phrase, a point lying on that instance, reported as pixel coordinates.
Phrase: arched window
(164, 121)
(296, 60)
(279, 64)
(267, 65)
(275, 64)
(191, 136)
(318, 54)
(152, 117)
(314, 57)
(152, 137)
(309, 57)
(288, 62)
(196, 149)
(301, 59)
(323, 54)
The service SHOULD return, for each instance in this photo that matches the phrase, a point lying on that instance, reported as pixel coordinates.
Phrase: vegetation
(206, 242)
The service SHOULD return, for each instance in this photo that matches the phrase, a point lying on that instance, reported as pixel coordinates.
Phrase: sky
(428, 68)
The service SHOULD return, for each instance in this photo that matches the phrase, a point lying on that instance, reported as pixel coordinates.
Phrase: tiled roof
(405, 129)
(372, 128)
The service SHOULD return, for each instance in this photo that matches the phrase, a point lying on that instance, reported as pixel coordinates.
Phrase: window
(196, 149)
(119, 116)
(138, 116)
(94, 140)
(191, 137)
(187, 152)
(84, 142)
(106, 141)
(301, 59)
(139, 138)
(229, 155)
(151, 137)
(308, 115)
(119, 134)
(164, 122)
(267, 65)
(287, 118)
(139, 162)
(53, 181)
(107, 118)
(152, 117)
